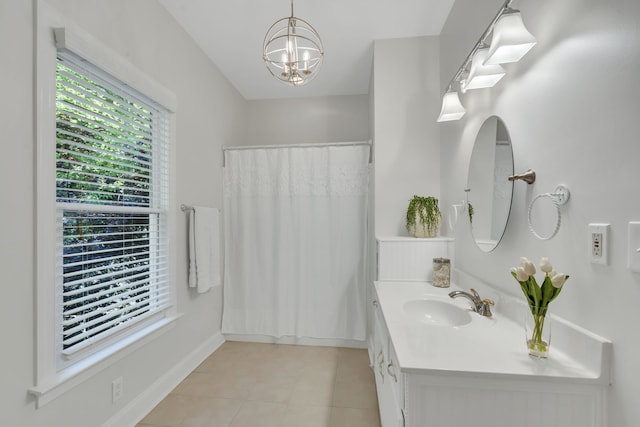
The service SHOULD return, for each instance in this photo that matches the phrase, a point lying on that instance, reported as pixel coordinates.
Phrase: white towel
(204, 248)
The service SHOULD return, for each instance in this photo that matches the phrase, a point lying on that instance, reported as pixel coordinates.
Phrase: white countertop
(493, 346)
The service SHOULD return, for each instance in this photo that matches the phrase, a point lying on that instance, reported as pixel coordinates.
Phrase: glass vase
(537, 329)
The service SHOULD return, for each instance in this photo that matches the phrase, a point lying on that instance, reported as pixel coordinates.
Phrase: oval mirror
(489, 190)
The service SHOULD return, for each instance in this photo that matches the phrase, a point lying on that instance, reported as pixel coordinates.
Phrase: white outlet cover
(633, 238)
(116, 389)
(603, 230)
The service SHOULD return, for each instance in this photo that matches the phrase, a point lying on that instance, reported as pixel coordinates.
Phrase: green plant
(470, 207)
(426, 211)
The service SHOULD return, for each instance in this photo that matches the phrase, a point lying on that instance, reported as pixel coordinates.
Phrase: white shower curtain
(295, 232)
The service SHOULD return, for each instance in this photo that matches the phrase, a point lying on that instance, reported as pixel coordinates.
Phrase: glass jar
(441, 272)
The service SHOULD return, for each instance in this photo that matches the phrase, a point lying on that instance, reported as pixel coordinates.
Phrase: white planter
(421, 230)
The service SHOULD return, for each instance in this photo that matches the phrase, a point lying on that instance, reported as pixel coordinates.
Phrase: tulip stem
(536, 344)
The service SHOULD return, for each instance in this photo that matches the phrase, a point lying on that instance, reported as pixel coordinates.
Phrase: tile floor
(264, 385)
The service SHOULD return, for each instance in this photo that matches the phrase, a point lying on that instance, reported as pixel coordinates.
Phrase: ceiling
(232, 32)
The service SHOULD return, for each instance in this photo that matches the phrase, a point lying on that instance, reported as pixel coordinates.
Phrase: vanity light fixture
(452, 109)
(481, 68)
(481, 75)
(510, 40)
(292, 50)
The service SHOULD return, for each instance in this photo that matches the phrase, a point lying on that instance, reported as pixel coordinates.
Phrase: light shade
(480, 75)
(452, 109)
(292, 50)
(510, 40)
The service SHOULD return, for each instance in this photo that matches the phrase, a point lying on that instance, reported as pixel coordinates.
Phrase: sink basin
(436, 312)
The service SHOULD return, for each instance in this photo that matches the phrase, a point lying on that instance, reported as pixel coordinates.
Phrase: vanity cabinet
(485, 401)
(480, 377)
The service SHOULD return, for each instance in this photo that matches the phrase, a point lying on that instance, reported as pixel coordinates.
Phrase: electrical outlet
(598, 242)
(116, 389)
(596, 245)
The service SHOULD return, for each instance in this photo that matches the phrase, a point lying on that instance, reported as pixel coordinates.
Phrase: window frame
(53, 32)
(72, 203)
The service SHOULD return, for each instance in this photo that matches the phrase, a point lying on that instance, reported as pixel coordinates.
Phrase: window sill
(70, 377)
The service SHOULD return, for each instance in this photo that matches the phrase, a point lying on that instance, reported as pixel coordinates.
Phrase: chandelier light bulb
(285, 66)
(305, 58)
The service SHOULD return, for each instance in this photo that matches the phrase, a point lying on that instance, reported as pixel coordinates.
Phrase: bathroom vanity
(439, 364)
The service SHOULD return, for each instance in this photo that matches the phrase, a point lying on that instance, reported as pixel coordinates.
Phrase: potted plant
(423, 216)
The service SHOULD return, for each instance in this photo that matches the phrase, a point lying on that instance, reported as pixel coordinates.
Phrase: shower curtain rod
(322, 144)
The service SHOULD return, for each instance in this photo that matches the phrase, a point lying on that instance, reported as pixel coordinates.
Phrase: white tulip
(521, 274)
(558, 280)
(545, 265)
(528, 267)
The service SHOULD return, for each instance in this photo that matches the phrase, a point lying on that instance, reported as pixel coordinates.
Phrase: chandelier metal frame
(292, 50)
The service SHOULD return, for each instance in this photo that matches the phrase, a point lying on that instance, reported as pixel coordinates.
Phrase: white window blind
(112, 174)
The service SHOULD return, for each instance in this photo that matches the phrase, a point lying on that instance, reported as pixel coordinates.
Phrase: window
(112, 188)
(105, 173)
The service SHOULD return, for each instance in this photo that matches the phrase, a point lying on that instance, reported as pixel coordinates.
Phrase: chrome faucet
(480, 306)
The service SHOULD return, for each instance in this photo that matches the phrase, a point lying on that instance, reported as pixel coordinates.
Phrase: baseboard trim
(321, 342)
(139, 407)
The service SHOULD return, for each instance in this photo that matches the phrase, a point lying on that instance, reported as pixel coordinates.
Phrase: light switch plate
(633, 238)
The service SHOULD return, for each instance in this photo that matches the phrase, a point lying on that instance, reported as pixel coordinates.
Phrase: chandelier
(292, 50)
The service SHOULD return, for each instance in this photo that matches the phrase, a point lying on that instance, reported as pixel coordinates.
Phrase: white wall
(406, 145)
(17, 317)
(210, 114)
(308, 120)
(571, 107)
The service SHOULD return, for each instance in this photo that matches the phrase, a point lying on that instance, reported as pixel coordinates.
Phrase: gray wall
(210, 114)
(308, 120)
(571, 108)
(405, 109)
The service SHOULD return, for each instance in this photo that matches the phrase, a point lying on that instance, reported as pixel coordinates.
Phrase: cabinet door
(379, 359)
(390, 412)
(395, 378)
(386, 385)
